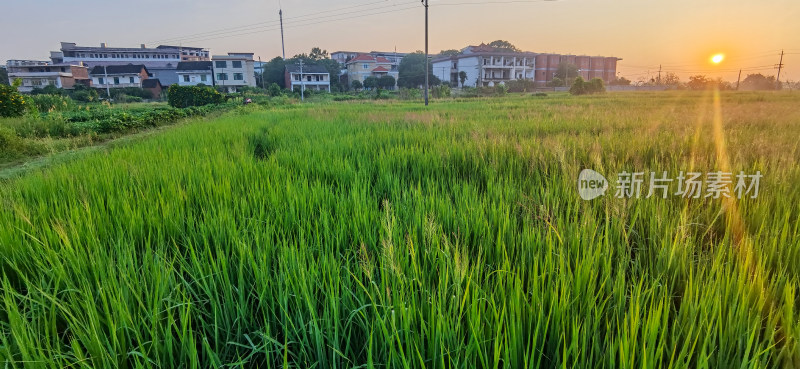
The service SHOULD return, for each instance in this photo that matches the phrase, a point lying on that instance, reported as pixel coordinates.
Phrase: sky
(679, 35)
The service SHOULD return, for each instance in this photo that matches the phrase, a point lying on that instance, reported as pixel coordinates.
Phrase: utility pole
(425, 3)
(659, 74)
(738, 80)
(283, 48)
(261, 66)
(779, 66)
(302, 82)
(108, 90)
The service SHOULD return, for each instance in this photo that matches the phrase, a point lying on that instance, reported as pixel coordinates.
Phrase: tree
(758, 81)
(386, 82)
(462, 76)
(699, 82)
(556, 82)
(356, 85)
(370, 82)
(318, 54)
(450, 52)
(3, 76)
(503, 44)
(273, 72)
(566, 71)
(412, 71)
(670, 79)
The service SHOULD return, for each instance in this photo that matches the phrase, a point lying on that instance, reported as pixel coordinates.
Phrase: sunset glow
(716, 59)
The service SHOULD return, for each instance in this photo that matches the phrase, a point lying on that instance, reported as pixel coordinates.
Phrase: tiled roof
(381, 59)
(151, 83)
(380, 69)
(118, 69)
(362, 57)
(194, 65)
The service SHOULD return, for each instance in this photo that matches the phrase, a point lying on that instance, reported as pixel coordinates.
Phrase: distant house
(194, 73)
(154, 86)
(39, 74)
(118, 76)
(233, 71)
(366, 65)
(313, 77)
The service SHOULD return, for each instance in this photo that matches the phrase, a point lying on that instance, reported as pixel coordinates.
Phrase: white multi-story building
(485, 66)
(194, 73)
(234, 71)
(313, 77)
(161, 61)
(39, 74)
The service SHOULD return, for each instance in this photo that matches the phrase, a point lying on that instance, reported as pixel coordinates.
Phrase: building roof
(369, 58)
(380, 69)
(118, 69)
(179, 47)
(307, 68)
(151, 83)
(195, 65)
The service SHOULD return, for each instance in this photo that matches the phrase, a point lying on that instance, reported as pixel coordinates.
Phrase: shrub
(186, 96)
(84, 96)
(13, 147)
(521, 85)
(50, 103)
(581, 87)
(274, 90)
(501, 89)
(12, 103)
(439, 92)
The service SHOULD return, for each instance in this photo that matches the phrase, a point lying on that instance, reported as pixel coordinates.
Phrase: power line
(309, 22)
(267, 23)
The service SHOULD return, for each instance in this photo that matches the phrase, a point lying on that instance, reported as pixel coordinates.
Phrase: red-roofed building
(365, 65)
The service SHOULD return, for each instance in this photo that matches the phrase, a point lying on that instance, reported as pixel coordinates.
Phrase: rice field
(390, 235)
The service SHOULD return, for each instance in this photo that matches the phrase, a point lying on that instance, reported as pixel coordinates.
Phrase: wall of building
(167, 76)
(124, 81)
(195, 78)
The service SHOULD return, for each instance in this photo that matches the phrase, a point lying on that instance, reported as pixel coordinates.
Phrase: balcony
(38, 74)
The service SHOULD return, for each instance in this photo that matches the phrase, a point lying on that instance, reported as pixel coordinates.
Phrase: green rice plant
(386, 234)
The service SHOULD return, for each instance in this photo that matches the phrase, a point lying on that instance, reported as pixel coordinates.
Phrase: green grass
(390, 235)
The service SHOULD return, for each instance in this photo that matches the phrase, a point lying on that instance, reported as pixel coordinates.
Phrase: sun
(716, 59)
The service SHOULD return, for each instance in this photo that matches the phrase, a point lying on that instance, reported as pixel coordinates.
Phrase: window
(308, 78)
(318, 78)
(203, 77)
(296, 77)
(365, 66)
(186, 78)
(222, 76)
(131, 79)
(237, 64)
(102, 82)
(238, 76)
(220, 64)
(116, 80)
